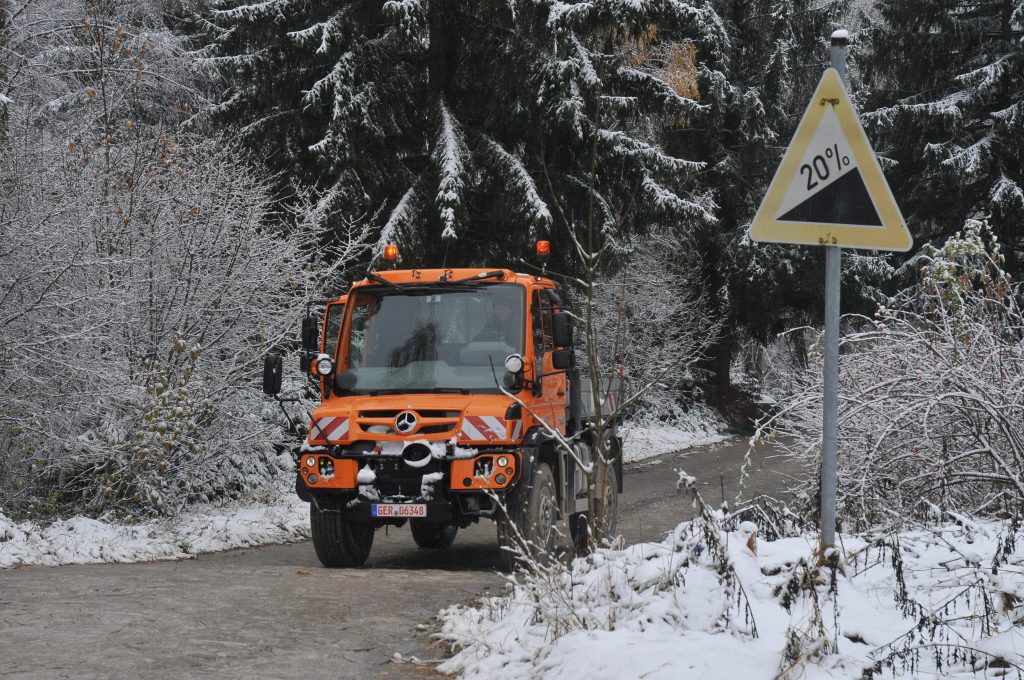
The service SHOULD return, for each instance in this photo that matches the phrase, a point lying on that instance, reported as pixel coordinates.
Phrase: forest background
(181, 178)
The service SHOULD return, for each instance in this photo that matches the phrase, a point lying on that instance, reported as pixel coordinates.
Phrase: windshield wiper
(424, 288)
(498, 274)
(384, 282)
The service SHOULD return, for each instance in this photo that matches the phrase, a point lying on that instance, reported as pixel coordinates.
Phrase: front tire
(532, 527)
(338, 541)
(433, 535)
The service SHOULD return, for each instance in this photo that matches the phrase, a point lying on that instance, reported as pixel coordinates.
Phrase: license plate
(398, 510)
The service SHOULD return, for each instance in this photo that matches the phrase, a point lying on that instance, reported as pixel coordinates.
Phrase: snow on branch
(518, 177)
(588, 74)
(252, 12)
(1008, 195)
(669, 202)
(449, 154)
(650, 156)
(403, 215)
(658, 90)
(408, 15)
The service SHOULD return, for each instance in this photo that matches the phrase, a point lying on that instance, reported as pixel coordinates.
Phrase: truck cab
(449, 396)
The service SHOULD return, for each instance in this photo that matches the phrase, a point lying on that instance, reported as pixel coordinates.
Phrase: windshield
(432, 338)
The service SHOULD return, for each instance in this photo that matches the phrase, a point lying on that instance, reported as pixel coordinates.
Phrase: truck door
(551, 403)
(333, 315)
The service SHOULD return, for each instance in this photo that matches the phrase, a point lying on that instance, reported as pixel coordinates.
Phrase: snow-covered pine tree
(464, 129)
(946, 79)
(756, 85)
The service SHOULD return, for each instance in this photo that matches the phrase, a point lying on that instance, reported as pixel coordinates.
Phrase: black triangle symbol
(845, 201)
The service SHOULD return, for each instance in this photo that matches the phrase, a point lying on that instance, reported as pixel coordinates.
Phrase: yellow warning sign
(829, 189)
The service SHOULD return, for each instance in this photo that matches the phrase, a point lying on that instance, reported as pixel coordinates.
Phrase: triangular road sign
(829, 189)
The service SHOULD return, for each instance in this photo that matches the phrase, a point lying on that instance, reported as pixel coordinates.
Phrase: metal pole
(830, 414)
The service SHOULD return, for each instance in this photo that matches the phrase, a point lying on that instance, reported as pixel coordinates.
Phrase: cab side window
(332, 325)
(542, 323)
(357, 333)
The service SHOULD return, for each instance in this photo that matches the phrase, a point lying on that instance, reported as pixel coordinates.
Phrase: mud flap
(301, 490)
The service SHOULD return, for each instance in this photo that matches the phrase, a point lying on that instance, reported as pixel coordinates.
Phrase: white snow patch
(281, 518)
(699, 427)
(667, 610)
(427, 483)
(366, 476)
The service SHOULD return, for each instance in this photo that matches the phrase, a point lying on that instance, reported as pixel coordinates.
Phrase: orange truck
(443, 394)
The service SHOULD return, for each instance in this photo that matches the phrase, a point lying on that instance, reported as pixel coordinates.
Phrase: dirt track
(273, 612)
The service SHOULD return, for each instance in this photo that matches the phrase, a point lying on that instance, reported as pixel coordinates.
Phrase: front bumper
(395, 477)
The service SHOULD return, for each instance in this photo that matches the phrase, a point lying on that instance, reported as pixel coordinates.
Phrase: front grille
(391, 413)
(378, 414)
(380, 421)
(435, 429)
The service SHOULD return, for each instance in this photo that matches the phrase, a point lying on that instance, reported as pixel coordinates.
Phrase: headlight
(310, 462)
(324, 365)
(502, 461)
(513, 363)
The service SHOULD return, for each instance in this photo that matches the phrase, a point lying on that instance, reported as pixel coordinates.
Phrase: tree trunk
(720, 360)
(440, 59)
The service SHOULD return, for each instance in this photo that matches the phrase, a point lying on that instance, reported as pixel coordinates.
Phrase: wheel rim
(547, 520)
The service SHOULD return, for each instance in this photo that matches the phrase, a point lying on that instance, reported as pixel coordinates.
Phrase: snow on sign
(829, 189)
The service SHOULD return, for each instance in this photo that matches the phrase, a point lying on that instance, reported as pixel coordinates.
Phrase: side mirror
(561, 329)
(563, 359)
(310, 334)
(272, 370)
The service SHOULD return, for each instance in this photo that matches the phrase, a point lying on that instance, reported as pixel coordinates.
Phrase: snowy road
(273, 612)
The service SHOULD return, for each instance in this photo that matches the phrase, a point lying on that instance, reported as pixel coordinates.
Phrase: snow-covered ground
(280, 518)
(702, 604)
(701, 425)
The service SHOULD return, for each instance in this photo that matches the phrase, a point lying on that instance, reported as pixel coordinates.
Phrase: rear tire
(532, 527)
(433, 535)
(338, 541)
(608, 506)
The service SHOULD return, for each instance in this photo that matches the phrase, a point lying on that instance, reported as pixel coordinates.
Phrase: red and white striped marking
(483, 428)
(332, 429)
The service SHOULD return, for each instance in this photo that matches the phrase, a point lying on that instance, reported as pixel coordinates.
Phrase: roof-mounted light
(543, 251)
(391, 253)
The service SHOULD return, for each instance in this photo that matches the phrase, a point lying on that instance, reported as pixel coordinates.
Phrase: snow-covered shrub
(143, 274)
(718, 599)
(649, 315)
(931, 395)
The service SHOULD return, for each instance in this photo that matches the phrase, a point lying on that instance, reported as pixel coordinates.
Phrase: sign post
(830, 398)
(830, 191)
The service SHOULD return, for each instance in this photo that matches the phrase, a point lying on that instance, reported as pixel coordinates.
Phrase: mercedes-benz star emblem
(405, 422)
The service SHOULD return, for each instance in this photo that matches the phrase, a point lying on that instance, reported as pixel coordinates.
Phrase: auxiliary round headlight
(310, 462)
(502, 461)
(513, 363)
(324, 365)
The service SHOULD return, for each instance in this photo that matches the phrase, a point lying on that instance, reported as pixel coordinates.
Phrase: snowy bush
(649, 315)
(931, 395)
(724, 597)
(144, 274)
